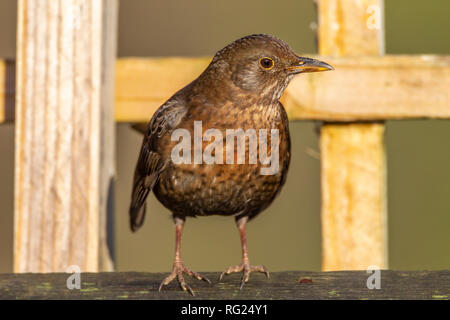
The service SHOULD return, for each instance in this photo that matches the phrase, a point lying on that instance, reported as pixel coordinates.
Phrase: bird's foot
(246, 269)
(177, 272)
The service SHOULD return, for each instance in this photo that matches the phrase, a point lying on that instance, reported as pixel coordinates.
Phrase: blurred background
(287, 235)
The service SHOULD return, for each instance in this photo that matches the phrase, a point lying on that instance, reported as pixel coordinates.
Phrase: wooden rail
(434, 285)
(395, 87)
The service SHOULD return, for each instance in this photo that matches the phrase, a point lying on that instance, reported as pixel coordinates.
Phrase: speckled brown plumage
(237, 90)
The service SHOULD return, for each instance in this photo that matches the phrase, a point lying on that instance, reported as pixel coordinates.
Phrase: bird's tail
(137, 217)
(141, 189)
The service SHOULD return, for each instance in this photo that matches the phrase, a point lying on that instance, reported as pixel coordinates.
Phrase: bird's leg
(245, 266)
(178, 266)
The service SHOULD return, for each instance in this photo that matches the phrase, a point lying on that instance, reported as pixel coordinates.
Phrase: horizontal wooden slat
(373, 88)
(142, 85)
(361, 88)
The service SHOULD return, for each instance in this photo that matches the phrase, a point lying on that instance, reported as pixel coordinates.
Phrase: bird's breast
(222, 160)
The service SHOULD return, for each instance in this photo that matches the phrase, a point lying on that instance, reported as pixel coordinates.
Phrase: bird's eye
(266, 63)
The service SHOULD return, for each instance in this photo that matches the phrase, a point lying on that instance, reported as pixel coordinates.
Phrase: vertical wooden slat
(351, 27)
(353, 196)
(354, 226)
(64, 133)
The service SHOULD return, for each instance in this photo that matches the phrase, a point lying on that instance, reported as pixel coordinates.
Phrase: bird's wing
(150, 163)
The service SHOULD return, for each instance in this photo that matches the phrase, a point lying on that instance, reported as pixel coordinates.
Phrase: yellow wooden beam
(373, 88)
(142, 85)
(395, 87)
(354, 226)
(353, 169)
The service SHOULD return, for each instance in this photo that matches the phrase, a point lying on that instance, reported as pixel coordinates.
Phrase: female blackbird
(237, 96)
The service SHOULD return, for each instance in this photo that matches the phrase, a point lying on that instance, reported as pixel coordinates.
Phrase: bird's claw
(246, 269)
(177, 272)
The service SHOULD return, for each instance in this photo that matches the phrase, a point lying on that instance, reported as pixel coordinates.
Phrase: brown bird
(189, 157)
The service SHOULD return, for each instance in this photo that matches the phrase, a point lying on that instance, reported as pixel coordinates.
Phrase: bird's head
(262, 65)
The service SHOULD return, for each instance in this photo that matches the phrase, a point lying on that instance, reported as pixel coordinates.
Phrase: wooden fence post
(354, 227)
(64, 161)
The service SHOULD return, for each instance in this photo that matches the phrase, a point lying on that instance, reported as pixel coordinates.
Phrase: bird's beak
(309, 65)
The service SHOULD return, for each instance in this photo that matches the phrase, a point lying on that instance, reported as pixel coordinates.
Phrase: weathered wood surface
(353, 168)
(64, 134)
(395, 87)
(142, 85)
(351, 27)
(281, 285)
(353, 196)
(373, 88)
